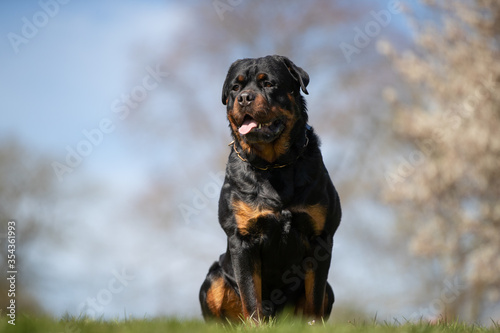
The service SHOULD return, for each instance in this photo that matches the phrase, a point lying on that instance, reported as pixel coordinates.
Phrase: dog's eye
(268, 84)
(236, 87)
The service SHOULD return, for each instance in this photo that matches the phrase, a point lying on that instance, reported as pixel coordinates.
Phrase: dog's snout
(246, 98)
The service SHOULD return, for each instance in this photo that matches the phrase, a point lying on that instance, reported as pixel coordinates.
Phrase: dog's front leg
(316, 276)
(247, 272)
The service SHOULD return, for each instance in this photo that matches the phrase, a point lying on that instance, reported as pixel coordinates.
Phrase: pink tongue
(247, 126)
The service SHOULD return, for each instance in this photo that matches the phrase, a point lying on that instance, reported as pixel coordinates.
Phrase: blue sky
(64, 81)
(67, 76)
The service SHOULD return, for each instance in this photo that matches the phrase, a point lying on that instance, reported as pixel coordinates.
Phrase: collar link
(273, 166)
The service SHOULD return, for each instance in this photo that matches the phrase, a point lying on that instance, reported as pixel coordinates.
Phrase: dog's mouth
(255, 131)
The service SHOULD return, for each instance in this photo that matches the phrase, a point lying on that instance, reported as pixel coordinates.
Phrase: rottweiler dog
(278, 206)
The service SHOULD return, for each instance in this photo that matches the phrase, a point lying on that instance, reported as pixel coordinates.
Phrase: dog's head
(264, 106)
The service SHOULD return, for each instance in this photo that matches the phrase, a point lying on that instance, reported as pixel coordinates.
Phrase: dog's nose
(246, 98)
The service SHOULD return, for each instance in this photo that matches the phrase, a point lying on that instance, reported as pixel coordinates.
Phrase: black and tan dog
(277, 206)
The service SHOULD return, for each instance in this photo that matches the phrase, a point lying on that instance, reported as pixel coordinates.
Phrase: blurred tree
(28, 194)
(448, 188)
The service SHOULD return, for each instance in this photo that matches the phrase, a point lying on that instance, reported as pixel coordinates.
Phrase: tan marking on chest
(247, 215)
(316, 212)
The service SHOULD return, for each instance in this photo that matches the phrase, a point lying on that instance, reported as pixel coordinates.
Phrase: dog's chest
(257, 221)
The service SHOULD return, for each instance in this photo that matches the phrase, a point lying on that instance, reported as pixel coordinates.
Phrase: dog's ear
(227, 81)
(297, 73)
(224, 90)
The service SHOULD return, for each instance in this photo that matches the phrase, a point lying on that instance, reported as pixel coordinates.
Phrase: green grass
(31, 324)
